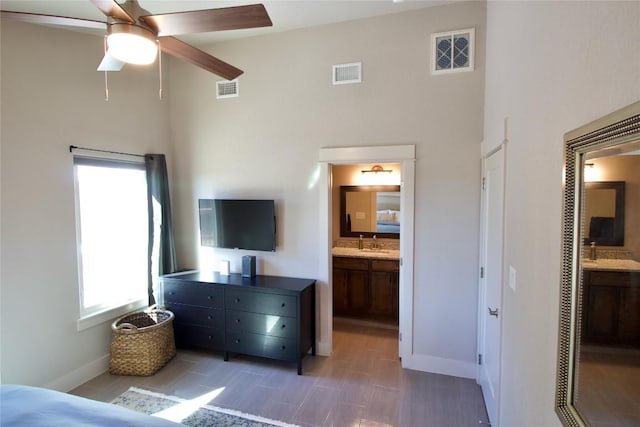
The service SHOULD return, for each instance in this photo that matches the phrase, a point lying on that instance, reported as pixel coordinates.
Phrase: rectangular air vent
(227, 88)
(347, 73)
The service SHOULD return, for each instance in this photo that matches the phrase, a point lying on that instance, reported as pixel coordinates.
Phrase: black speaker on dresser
(248, 266)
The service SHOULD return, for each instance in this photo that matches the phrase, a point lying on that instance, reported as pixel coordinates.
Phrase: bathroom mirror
(604, 213)
(370, 210)
(599, 331)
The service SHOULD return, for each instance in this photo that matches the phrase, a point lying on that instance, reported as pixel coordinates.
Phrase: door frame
(405, 155)
(500, 150)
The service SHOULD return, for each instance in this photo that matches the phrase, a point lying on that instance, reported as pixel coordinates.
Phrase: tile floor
(360, 385)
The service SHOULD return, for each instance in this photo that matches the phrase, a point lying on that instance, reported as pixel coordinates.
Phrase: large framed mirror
(599, 336)
(370, 210)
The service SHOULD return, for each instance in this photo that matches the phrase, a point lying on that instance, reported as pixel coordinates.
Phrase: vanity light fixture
(377, 169)
(590, 172)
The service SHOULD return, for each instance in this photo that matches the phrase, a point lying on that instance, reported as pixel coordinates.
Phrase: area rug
(194, 412)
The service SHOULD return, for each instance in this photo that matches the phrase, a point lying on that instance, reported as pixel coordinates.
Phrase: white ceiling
(285, 14)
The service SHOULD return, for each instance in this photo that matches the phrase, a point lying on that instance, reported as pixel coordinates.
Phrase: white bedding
(35, 407)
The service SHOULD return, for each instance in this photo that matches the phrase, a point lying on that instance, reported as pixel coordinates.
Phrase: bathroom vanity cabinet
(611, 304)
(366, 288)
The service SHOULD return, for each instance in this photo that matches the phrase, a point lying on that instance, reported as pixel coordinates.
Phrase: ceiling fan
(134, 35)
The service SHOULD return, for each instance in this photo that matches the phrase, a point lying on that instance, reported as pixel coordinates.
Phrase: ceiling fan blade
(110, 63)
(36, 18)
(204, 21)
(113, 9)
(185, 51)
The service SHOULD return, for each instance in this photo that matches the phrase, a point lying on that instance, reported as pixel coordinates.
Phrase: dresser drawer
(264, 324)
(257, 302)
(262, 345)
(198, 336)
(351, 263)
(197, 315)
(194, 294)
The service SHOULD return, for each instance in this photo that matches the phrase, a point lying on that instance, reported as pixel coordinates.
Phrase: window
(113, 235)
(452, 51)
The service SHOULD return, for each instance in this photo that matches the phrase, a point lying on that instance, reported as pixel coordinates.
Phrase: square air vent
(347, 73)
(227, 89)
(452, 52)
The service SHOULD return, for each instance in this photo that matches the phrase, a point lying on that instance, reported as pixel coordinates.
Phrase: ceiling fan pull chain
(159, 70)
(106, 80)
(106, 86)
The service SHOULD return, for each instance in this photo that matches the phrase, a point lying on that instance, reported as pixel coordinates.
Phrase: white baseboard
(436, 365)
(439, 365)
(323, 348)
(80, 376)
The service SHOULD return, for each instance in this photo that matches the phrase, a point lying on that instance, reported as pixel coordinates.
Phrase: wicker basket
(142, 343)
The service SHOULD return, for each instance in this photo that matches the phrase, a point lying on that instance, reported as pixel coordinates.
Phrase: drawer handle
(237, 341)
(283, 305)
(284, 326)
(237, 320)
(283, 348)
(209, 297)
(172, 293)
(208, 317)
(209, 337)
(237, 299)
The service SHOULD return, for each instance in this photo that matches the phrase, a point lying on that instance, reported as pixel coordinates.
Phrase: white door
(490, 309)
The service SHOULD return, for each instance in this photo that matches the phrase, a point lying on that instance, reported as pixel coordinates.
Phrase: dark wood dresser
(264, 316)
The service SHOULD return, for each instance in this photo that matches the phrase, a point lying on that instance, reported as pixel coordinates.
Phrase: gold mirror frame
(617, 128)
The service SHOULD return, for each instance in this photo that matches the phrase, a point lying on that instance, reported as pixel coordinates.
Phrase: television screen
(238, 224)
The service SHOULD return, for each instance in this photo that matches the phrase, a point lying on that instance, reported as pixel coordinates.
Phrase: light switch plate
(512, 278)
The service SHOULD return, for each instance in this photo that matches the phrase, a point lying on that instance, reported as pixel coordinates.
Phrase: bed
(35, 407)
(387, 227)
(388, 221)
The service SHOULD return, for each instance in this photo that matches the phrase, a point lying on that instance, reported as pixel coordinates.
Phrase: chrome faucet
(593, 254)
(374, 244)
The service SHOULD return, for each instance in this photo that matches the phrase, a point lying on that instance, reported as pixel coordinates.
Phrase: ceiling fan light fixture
(132, 44)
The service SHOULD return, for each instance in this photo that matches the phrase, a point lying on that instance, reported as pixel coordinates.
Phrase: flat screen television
(238, 224)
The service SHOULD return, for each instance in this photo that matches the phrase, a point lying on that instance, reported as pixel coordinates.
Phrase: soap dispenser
(361, 243)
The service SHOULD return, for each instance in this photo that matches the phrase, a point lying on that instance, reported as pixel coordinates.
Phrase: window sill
(109, 314)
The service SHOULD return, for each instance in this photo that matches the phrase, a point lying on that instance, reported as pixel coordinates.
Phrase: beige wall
(266, 143)
(263, 144)
(551, 67)
(51, 98)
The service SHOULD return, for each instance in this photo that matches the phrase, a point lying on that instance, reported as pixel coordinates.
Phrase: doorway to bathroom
(365, 244)
(359, 158)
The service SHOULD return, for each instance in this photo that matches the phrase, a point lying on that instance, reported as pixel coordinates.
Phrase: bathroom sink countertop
(611, 264)
(393, 254)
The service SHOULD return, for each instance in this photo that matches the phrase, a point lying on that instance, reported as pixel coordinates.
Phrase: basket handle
(128, 326)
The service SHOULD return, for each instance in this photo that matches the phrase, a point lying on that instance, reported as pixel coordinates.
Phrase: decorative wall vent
(227, 88)
(452, 52)
(347, 73)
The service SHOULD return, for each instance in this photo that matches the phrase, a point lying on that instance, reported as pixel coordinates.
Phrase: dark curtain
(160, 225)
